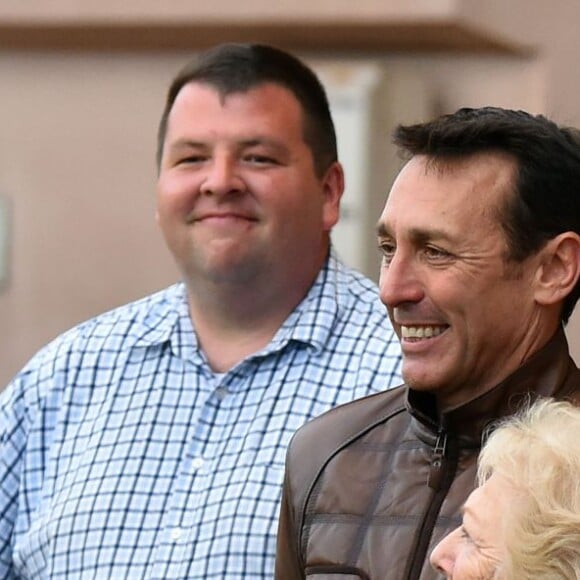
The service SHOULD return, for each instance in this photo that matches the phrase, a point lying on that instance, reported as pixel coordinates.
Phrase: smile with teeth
(422, 332)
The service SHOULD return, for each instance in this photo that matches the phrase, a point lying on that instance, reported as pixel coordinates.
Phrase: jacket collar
(550, 372)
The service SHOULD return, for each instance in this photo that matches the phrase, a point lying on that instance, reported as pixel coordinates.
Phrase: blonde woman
(523, 521)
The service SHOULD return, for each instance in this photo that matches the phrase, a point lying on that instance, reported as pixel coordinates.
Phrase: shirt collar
(163, 311)
(311, 322)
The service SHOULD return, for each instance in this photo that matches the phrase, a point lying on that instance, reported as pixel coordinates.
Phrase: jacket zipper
(441, 473)
(437, 468)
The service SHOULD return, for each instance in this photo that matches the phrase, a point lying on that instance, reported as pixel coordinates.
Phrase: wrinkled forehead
(494, 168)
(479, 183)
(489, 503)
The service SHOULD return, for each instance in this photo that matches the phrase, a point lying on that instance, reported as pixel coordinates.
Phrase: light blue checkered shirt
(123, 456)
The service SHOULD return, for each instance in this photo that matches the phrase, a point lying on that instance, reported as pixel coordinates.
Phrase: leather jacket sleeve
(288, 553)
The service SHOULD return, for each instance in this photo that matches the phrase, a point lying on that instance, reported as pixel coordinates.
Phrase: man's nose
(222, 177)
(400, 281)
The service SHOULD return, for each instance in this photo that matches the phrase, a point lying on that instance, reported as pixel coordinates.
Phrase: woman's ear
(559, 269)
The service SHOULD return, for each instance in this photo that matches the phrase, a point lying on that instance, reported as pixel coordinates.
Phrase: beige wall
(77, 164)
(77, 145)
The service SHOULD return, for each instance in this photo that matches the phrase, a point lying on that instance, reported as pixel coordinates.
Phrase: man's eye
(387, 251)
(193, 159)
(260, 159)
(436, 253)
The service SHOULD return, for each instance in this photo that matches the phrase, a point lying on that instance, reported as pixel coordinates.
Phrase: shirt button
(197, 463)
(176, 534)
(221, 393)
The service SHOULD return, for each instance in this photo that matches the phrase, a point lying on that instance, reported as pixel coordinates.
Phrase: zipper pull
(436, 468)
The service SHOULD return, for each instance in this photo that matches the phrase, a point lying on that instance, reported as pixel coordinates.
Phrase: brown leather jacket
(373, 485)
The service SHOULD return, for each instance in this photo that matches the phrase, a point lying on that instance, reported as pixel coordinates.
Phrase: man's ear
(333, 188)
(559, 269)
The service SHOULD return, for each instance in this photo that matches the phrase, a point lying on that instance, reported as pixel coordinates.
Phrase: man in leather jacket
(480, 238)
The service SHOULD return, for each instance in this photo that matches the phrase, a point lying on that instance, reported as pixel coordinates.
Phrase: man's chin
(423, 380)
(232, 271)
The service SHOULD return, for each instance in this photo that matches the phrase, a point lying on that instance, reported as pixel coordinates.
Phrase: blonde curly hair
(538, 452)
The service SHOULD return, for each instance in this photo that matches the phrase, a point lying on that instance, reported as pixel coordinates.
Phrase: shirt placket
(178, 546)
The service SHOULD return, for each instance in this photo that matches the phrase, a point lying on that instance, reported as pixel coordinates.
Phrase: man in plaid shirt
(149, 442)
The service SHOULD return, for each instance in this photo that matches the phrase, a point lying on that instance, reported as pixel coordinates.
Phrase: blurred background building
(82, 86)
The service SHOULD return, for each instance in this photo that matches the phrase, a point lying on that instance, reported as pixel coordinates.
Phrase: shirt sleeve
(12, 448)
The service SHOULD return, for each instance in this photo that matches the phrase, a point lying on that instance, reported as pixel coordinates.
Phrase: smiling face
(466, 317)
(476, 550)
(239, 200)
